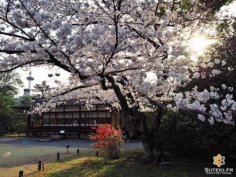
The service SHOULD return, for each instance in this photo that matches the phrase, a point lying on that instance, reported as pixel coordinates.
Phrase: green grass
(14, 135)
(87, 165)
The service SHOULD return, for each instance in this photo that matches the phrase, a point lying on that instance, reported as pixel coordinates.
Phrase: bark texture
(153, 151)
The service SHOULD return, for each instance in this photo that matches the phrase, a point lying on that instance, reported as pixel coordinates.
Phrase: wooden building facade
(71, 119)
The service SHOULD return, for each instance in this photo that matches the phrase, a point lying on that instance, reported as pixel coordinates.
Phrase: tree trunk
(153, 151)
(128, 124)
(148, 156)
(124, 107)
(151, 142)
(157, 150)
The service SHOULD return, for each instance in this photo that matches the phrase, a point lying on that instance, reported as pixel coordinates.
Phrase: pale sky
(40, 74)
(231, 8)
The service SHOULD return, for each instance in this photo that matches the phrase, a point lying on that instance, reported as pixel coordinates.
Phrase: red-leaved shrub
(109, 140)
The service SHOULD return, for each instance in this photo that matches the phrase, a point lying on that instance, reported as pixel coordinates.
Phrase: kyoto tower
(29, 78)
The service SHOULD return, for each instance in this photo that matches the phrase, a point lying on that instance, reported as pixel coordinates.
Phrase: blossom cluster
(207, 103)
(115, 51)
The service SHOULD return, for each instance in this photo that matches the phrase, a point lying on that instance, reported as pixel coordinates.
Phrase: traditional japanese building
(70, 119)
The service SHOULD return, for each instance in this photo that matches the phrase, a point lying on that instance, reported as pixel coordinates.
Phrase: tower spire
(29, 78)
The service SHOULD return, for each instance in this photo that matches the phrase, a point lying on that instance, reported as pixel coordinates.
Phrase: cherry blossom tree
(128, 54)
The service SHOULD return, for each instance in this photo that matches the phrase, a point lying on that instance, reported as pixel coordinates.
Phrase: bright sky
(231, 8)
(40, 74)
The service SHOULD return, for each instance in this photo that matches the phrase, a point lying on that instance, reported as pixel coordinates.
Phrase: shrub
(183, 135)
(108, 140)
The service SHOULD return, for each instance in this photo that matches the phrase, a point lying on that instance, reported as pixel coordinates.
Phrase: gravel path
(74, 143)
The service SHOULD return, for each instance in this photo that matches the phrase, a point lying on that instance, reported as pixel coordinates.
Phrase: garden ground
(18, 154)
(22, 153)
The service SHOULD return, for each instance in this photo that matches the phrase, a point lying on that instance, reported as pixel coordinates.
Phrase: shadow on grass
(129, 166)
(92, 167)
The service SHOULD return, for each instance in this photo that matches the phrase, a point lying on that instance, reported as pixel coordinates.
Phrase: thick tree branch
(17, 36)
(144, 37)
(24, 64)
(15, 52)
(73, 89)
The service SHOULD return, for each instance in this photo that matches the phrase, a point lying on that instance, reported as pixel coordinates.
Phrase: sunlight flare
(5, 155)
(198, 44)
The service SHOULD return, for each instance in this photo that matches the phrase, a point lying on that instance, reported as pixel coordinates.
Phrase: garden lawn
(87, 165)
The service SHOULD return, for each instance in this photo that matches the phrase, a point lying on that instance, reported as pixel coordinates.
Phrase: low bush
(108, 140)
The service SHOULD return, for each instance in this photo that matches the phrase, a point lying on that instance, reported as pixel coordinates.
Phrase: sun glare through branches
(198, 44)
